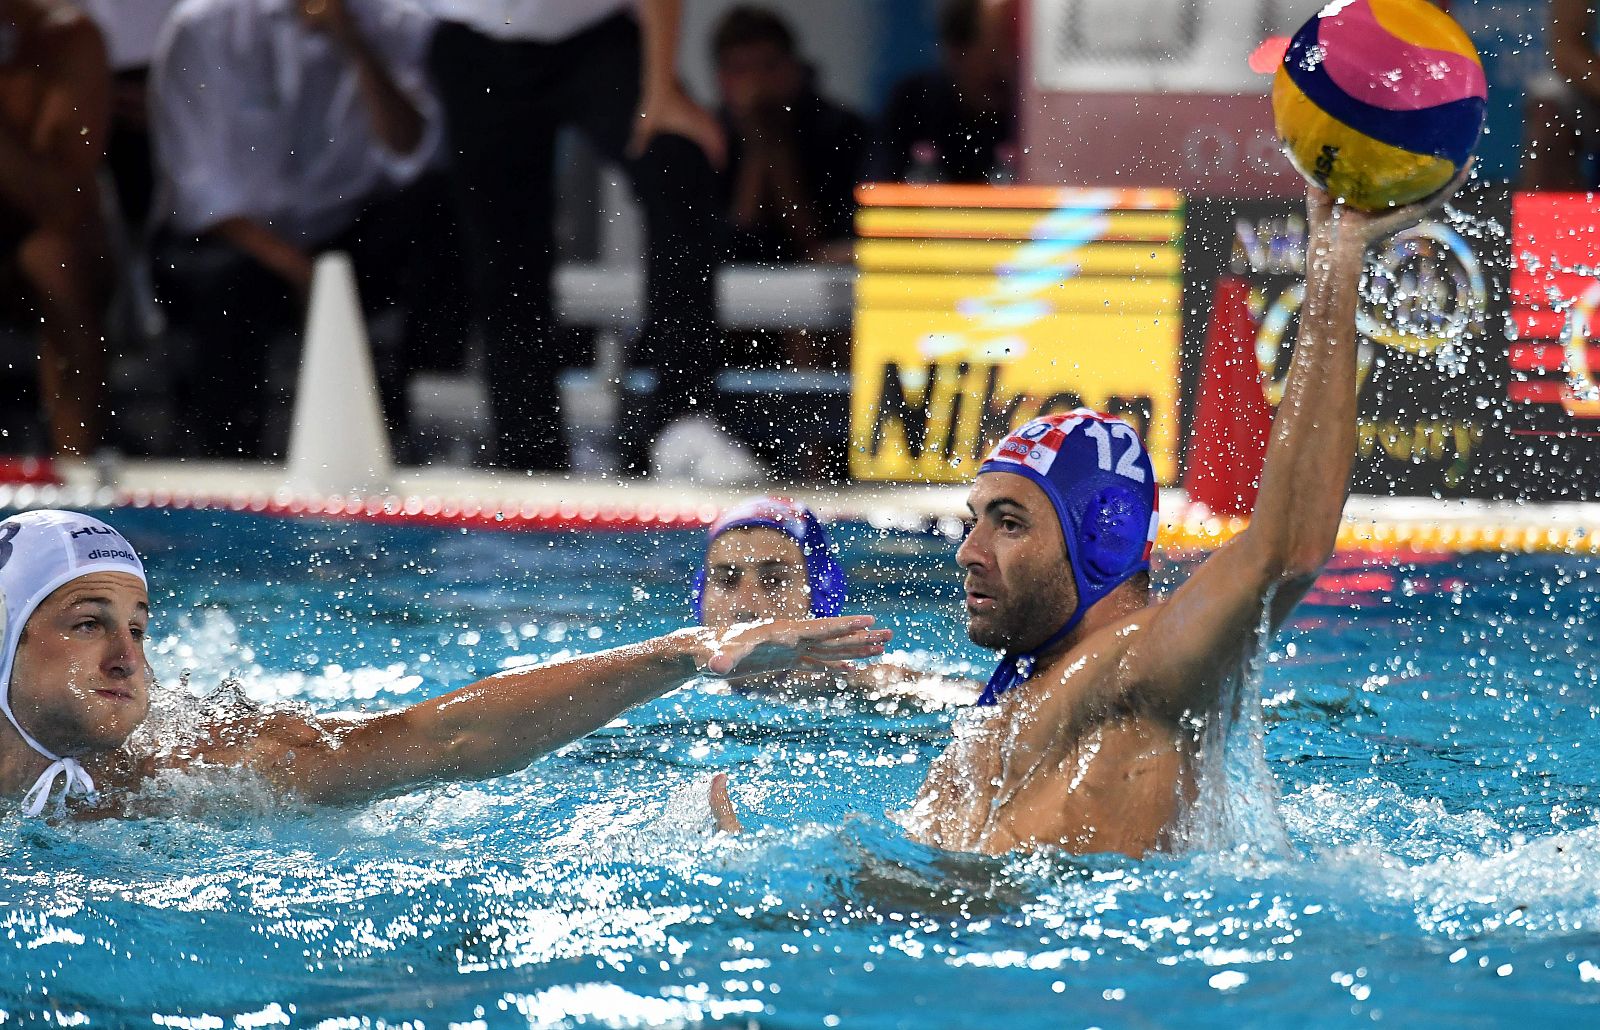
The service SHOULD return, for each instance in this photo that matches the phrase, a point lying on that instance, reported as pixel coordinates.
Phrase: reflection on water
(1433, 749)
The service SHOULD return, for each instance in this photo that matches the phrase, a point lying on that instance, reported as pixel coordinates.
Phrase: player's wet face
(754, 573)
(1019, 586)
(80, 683)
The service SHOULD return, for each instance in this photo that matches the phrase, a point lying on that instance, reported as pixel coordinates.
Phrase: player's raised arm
(1209, 624)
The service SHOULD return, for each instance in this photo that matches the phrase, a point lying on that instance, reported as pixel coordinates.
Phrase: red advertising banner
(1554, 347)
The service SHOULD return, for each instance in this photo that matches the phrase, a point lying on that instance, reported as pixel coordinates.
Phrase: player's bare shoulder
(226, 727)
(1101, 678)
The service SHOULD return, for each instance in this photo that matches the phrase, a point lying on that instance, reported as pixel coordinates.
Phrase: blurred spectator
(512, 75)
(54, 96)
(1562, 108)
(957, 122)
(285, 128)
(130, 29)
(793, 158)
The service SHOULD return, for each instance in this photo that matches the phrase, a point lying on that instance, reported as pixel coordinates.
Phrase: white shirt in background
(544, 21)
(255, 115)
(130, 28)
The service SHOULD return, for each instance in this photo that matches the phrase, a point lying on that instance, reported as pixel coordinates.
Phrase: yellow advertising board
(980, 307)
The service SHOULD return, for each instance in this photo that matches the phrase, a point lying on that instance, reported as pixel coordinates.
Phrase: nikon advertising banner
(978, 308)
(1432, 352)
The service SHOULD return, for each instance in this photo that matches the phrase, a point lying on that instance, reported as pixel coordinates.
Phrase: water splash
(1235, 807)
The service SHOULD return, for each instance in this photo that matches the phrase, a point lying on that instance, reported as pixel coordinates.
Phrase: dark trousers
(504, 104)
(232, 314)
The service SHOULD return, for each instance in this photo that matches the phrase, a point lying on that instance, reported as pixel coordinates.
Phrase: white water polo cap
(40, 552)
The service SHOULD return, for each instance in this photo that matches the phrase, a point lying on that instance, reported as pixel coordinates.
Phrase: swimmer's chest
(1116, 787)
(1119, 789)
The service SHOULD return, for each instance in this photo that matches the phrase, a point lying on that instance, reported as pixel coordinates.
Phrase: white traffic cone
(339, 444)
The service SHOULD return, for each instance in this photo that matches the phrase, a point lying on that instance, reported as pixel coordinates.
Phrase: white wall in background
(1157, 46)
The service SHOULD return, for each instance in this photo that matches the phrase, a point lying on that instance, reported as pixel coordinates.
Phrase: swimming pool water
(1430, 725)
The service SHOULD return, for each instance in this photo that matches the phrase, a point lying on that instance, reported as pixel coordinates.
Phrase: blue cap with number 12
(1095, 471)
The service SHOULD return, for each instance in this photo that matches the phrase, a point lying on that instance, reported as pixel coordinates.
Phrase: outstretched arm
(502, 723)
(1208, 625)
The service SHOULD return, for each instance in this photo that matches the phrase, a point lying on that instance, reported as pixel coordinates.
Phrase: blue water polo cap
(1099, 479)
(824, 574)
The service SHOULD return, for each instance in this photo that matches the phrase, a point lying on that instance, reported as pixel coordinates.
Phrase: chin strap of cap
(1014, 669)
(1011, 672)
(78, 782)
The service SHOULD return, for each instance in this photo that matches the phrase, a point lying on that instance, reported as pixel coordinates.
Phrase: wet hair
(960, 22)
(746, 24)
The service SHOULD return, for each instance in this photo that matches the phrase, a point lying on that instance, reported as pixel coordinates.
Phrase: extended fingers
(1436, 199)
(1385, 223)
(860, 644)
(727, 658)
(786, 644)
(837, 626)
(1450, 188)
(1459, 181)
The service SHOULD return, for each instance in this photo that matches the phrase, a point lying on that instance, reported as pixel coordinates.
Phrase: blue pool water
(1430, 726)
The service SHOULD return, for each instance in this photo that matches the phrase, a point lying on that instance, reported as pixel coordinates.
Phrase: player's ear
(1113, 533)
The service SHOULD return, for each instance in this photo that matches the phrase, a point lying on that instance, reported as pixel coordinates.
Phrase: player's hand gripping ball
(1380, 102)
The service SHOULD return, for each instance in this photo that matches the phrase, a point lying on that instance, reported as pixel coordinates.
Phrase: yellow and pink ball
(1380, 102)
